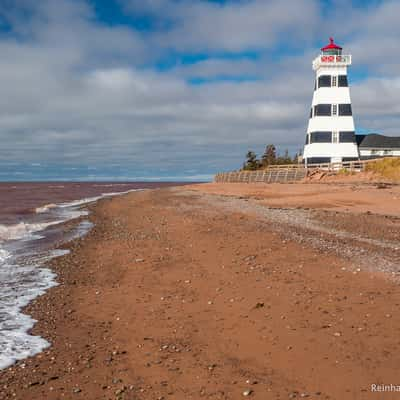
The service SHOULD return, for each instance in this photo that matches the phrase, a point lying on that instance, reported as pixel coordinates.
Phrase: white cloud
(75, 91)
(198, 25)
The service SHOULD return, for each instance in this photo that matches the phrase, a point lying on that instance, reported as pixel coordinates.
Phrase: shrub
(345, 172)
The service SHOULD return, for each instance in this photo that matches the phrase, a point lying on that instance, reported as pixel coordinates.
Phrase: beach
(223, 292)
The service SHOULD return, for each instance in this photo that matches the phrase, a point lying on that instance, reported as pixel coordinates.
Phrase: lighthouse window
(347, 137)
(324, 81)
(335, 136)
(334, 109)
(334, 81)
(343, 81)
(322, 110)
(318, 160)
(311, 113)
(348, 159)
(321, 137)
(345, 109)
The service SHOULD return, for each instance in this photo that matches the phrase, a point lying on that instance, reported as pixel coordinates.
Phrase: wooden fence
(269, 175)
(289, 173)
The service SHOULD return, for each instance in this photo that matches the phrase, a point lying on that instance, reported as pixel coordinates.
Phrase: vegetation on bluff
(386, 167)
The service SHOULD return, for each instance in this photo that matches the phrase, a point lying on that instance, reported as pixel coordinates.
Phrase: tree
(269, 156)
(286, 159)
(251, 163)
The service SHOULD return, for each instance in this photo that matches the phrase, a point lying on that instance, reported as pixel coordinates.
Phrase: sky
(178, 89)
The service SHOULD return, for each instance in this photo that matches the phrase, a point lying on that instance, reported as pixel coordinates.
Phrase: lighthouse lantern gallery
(331, 135)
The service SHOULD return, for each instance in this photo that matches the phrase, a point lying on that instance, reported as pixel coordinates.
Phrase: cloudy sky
(178, 89)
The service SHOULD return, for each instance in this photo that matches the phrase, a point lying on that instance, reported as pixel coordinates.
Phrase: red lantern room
(332, 48)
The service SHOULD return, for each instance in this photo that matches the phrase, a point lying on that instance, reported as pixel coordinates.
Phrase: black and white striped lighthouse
(331, 133)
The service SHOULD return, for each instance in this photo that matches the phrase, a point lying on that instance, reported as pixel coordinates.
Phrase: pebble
(120, 391)
(247, 392)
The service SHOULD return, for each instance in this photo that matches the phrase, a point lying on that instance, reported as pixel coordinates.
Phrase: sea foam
(18, 286)
(24, 230)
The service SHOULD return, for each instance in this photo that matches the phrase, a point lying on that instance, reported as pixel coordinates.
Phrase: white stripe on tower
(331, 133)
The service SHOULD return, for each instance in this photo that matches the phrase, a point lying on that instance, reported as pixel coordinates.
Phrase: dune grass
(388, 168)
(345, 172)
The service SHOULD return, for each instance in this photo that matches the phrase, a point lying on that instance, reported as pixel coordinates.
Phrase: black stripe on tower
(326, 81)
(318, 160)
(326, 137)
(325, 110)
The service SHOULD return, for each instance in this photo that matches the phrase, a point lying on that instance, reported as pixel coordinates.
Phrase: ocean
(33, 220)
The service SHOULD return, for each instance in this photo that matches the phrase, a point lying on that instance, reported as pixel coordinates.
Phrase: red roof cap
(331, 45)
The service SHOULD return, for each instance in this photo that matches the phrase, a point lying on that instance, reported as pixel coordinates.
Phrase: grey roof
(376, 141)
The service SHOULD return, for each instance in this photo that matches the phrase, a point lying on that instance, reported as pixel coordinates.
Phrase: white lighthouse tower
(331, 133)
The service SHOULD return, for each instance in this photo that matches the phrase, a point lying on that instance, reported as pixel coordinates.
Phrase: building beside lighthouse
(331, 132)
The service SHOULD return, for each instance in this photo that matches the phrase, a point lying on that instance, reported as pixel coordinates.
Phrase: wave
(4, 255)
(88, 200)
(111, 184)
(80, 202)
(45, 208)
(23, 230)
(66, 211)
(21, 281)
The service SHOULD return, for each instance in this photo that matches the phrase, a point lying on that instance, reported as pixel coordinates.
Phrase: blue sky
(178, 89)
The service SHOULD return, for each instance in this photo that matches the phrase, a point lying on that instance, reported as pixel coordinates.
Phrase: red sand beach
(224, 292)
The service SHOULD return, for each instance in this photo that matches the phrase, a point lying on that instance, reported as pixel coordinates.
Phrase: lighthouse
(331, 133)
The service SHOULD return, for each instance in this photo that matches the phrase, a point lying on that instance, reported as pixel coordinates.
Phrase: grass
(345, 172)
(388, 168)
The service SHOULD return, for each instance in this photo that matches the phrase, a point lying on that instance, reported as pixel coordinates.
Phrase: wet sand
(206, 292)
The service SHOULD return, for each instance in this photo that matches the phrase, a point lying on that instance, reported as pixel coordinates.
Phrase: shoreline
(160, 298)
(37, 220)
